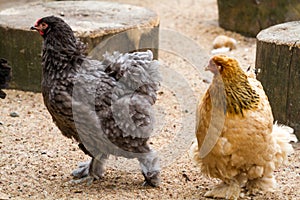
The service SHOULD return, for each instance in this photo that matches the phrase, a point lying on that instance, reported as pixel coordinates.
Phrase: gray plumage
(104, 105)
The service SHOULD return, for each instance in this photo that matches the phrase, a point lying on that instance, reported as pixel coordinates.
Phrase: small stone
(206, 81)
(186, 177)
(14, 114)
(43, 152)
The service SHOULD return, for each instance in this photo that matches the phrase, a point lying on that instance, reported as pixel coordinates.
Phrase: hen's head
(239, 93)
(52, 24)
(58, 36)
(226, 66)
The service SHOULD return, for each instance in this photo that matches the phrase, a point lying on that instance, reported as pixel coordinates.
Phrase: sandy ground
(36, 160)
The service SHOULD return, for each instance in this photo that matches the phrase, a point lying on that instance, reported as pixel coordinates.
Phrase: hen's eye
(44, 25)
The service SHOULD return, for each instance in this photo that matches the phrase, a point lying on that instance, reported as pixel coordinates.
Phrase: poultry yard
(36, 160)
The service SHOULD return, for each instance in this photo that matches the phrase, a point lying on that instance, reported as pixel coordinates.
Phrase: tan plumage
(236, 139)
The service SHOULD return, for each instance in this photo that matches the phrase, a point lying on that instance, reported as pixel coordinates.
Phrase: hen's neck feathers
(239, 94)
(61, 49)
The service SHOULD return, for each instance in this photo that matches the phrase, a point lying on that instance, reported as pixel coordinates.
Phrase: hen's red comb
(37, 22)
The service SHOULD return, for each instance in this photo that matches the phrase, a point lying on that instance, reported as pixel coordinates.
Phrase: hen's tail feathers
(283, 136)
(136, 72)
(137, 81)
(138, 66)
(252, 72)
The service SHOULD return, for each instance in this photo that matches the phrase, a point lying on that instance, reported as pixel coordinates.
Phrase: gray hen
(105, 106)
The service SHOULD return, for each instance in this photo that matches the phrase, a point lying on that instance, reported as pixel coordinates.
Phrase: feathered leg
(261, 184)
(230, 190)
(150, 169)
(97, 168)
(91, 170)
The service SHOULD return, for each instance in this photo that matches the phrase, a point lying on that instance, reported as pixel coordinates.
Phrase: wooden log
(104, 26)
(278, 58)
(249, 17)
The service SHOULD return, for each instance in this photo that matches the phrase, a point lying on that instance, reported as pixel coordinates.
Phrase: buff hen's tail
(283, 135)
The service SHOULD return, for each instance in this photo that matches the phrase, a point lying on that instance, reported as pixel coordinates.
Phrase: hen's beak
(33, 28)
(212, 67)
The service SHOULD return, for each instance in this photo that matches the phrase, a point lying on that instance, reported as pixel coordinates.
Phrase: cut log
(103, 26)
(278, 58)
(249, 17)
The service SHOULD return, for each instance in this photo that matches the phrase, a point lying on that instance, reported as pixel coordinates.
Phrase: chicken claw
(150, 169)
(83, 170)
(88, 179)
(264, 183)
(151, 179)
(225, 191)
(90, 170)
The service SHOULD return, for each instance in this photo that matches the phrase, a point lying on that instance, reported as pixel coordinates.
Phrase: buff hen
(106, 106)
(237, 141)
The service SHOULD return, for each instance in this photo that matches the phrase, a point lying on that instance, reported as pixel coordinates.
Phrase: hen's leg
(264, 182)
(150, 169)
(97, 168)
(229, 190)
(88, 171)
(261, 184)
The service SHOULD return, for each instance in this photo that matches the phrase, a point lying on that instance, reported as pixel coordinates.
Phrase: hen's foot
(88, 180)
(150, 169)
(83, 170)
(261, 184)
(152, 179)
(90, 170)
(82, 174)
(225, 191)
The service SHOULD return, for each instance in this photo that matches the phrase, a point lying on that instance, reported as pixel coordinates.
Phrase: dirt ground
(36, 160)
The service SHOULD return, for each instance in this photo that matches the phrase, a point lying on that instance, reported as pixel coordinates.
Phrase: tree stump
(103, 26)
(278, 58)
(249, 17)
